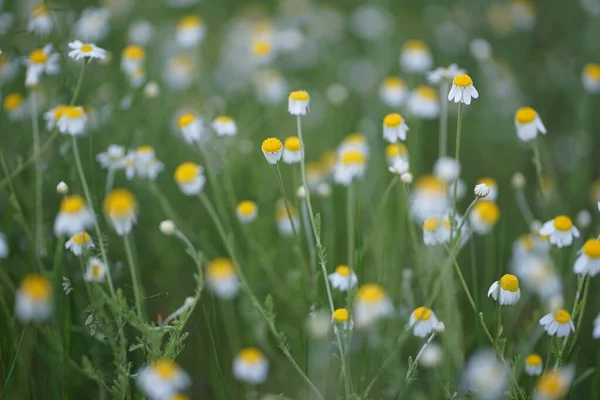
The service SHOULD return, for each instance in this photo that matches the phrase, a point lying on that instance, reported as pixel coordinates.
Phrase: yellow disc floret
(261, 47)
(395, 150)
(134, 52)
(185, 119)
(186, 172)
(393, 82)
(191, 21)
(422, 313)
(563, 223)
(36, 287)
(81, 238)
(431, 224)
(13, 101)
(224, 119)
(551, 385)
(342, 270)
(271, 145)
(525, 115)
(591, 248)
(72, 204)
(392, 120)
(292, 143)
(431, 184)
(247, 207)
(120, 203)
(340, 315)
(353, 157)
(426, 92)
(73, 112)
(300, 95)
(86, 48)
(220, 268)
(251, 355)
(165, 369)
(463, 80)
(488, 211)
(562, 316)
(592, 70)
(416, 45)
(533, 360)
(38, 57)
(510, 283)
(371, 293)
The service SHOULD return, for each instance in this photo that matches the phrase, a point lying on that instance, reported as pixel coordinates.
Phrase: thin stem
(424, 346)
(537, 160)
(443, 141)
(78, 85)
(386, 362)
(134, 278)
(39, 237)
(498, 325)
(457, 158)
(549, 355)
(350, 224)
(12, 366)
(524, 207)
(464, 219)
(109, 180)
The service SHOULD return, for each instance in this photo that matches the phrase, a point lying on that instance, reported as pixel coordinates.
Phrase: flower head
(112, 158)
(15, 106)
(82, 51)
(484, 216)
(190, 31)
(590, 76)
(444, 74)
(74, 216)
(554, 384)
(79, 242)
(72, 120)
(41, 61)
(394, 127)
(246, 211)
(33, 302)
(370, 305)
(162, 379)
(95, 271)
(272, 148)
(350, 166)
(393, 91)
(560, 230)
(286, 222)
(40, 20)
(221, 278)
(343, 278)
(558, 323)
(462, 90)
(423, 321)
(492, 187)
(588, 261)
(528, 123)
(120, 208)
(534, 365)
(224, 125)
(298, 102)
(423, 102)
(292, 152)
(506, 290)
(190, 178)
(191, 127)
(251, 366)
(416, 57)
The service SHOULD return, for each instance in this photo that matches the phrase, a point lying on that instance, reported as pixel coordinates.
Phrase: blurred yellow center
(120, 203)
(261, 47)
(533, 360)
(591, 248)
(81, 238)
(145, 149)
(224, 119)
(191, 21)
(422, 313)
(39, 10)
(353, 157)
(395, 150)
(86, 48)
(165, 369)
(72, 204)
(36, 287)
(220, 268)
(251, 355)
(271, 145)
(342, 270)
(592, 70)
(431, 184)
(563, 223)
(96, 269)
(300, 95)
(562, 316)
(186, 172)
(489, 182)
(551, 384)
(13, 101)
(415, 45)
(488, 211)
(526, 242)
(355, 138)
(292, 143)
(73, 112)
(427, 93)
(392, 120)
(463, 80)
(134, 52)
(59, 111)
(431, 224)
(247, 207)
(510, 283)
(371, 293)
(38, 57)
(394, 82)
(185, 119)
(525, 115)
(340, 315)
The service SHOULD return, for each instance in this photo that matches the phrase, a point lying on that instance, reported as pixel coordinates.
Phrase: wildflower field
(299, 199)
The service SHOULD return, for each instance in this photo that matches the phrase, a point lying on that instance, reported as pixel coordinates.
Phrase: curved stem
(134, 278)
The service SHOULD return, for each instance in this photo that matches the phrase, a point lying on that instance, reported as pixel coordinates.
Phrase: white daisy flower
(554, 384)
(484, 216)
(73, 217)
(112, 158)
(394, 128)
(506, 290)
(33, 301)
(93, 25)
(444, 74)
(560, 230)
(79, 242)
(341, 319)
(72, 121)
(534, 365)
(140, 32)
(133, 58)
(422, 320)
(430, 197)
(343, 278)
(298, 102)
(395, 152)
(528, 123)
(120, 208)
(423, 103)
(432, 355)
(558, 323)
(416, 57)
(588, 261)
(270, 86)
(41, 61)
(350, 166)
(222, 278)
(224, 125)
(190, 178)
(447, 168)
(393, 92)
(462, 90)
(191, 127)
(15, 106)
(54, 115)
(251, 366)
(147, 166)
(353, 142)
(95, 271)
(262, 51)
(246, 211)
(162, 379)
(190, 31)
(291, 150)
(435, 231)
(284, 226)
(485, 376)
(272, 149)
(82, 51)
(370, 305)
(40, 20)
(590, 76)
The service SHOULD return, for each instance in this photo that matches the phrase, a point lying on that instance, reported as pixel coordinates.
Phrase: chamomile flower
(15, 106)
(343, 278)
(79, 242)
(444, 74)
(430, 197)
(73, 217)
(590, 76)
(534, 365)
(146, 164)
(190, 31)
(112, 158)
(191, 127)
(54, 115)
(416, 57)
(272, 148)
(506, 290)
(447, 168)
(95, 271)
(371, 304)
(588, 261)
(41, 61)
(93, 25)
(481, 190)
(140, 32)
(341, 319)
(251, 366)
(394, 128)
(72, 121)
(222, 278)
(462, 90)
(270, 86)
(4, 251)
(246, 211)
(262, 51)
(40, 20)
(395, 152)
(422, 321)
(8, 68)
(190, 178)
(162, 379)
(558, 323)
(120, 208)
(133, 57)
(423, 103)
(353, 142)
(291, 150)
(560, 230)
(596, 329)
(528, 123)
(33, 301)
(432, 356)
(81, 51)
(284, 225)
(393, 91)
(484, 216)
(298, 102)
(492, 188)
(349, 167)
(485, 376)
(179, 71)
(434, 232)
(224, 125)
(554, 384)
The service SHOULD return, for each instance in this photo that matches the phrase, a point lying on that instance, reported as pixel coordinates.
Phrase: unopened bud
(481, 190)
(518, 181)
(167, 227)
(406, 178)
(151, 90)
(301, 192)
(62, 188)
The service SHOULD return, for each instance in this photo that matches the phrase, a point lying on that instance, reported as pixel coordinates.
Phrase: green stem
(582, 305)
(39, 237)
(134, 278)
(537, 160)
(457, 158)
(12, 366)
(350, 224)
(443, 141)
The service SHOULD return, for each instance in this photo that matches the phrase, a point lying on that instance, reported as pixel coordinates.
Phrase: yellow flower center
(38, 57)
(488, 211)
(355, 138)
(39, 10)
(36, 287)
(431, 224)
(86, 48)
(447, 224)
(251, 355)
(527, 242)
(191, 21)
(134, 52)
(431, 184)
(220, 268)
(120, 203)
(463, 80)
(224, 119)
(592, 70)
(371, 293)
(353, 157)
(59, 111)
(96, 269)
(72, 204)
(81, 238)
(282, 213)
(591, 248)
(394, 82)
(551, 383)
(562, 316)
(525, 115)
(422, 313)
(13, 101)
(166, 369)
(340, 315)
(563, 223)
(186, 172)
(395, 150)
(73, 112)
(185, 119)
(271, 145)
(392, 120)
(145, 149)
(300, 95)
(489, 182)
(261, 47)
(509, 283)
(342, 270)
(247, 207)
(415, 45)
(427, 93)
(533, 360)
(179, 396)
(292, 143)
